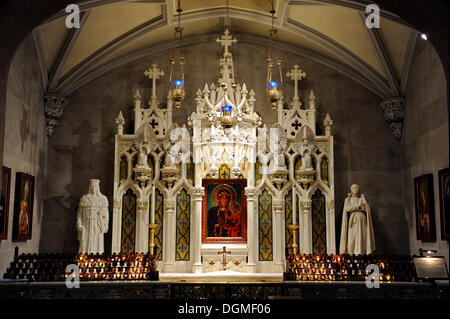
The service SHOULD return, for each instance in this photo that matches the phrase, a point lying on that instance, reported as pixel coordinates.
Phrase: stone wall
(25, 143)
(83, 145)
(425, 141)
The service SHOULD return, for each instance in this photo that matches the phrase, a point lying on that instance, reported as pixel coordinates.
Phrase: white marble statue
(306, 150)
(357, 235)
(92, 219)
(142, 155)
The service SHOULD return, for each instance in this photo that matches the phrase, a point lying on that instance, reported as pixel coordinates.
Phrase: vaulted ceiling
(333, 32)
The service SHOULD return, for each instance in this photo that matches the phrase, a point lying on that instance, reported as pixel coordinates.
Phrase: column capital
(117, 203)
(169, 206)
(251, 192)
(198, 192)
(141, 205)
(394, 111)
(330, 204)
(54, 106)
(306, 206)
(278, 206)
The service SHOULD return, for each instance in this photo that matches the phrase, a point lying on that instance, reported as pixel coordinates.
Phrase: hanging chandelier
(274, 83)
(176, 79)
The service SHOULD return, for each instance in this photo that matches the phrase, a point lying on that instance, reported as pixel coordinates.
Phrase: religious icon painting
(424, 199)
(4, 202)
(224, 211)
(23, 207)
(444, 201)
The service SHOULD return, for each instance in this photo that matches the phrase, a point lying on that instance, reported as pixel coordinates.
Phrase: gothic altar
(227, 179)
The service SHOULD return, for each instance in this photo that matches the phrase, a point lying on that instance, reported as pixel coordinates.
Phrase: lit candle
(152, 217)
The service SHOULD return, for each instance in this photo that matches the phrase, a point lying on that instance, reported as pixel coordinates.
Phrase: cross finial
(153, 73)
(226, 40)
(224, 253)
(296, 74)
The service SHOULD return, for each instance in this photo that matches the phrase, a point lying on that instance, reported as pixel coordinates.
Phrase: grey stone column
(54, 108)
(394, 111)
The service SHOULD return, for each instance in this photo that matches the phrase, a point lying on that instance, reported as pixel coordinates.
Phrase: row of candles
(91, 266)
(338, 277)
(114, 276)
(346, 267)
(117, 267)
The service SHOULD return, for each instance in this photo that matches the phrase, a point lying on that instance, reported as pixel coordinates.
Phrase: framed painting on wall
(424, 202)
(224, 211)
(444, 202)
(4, 202)
(23, 207)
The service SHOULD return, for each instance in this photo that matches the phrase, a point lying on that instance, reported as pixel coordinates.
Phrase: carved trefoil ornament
(394, 112)
(54, 108)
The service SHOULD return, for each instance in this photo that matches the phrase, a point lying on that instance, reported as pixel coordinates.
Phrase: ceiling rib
(244, 38)
(380, 84)
(311, 34)
(356, 6)
(87, 5)
(168, 11)
(41, 56)
(407, 60)
(83, 67)
(283, 13)
(340, 51)
(65, 52)
(383, 56)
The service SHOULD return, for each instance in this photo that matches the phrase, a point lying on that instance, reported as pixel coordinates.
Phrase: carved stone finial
(120, 121)
(54, 108)
(296, 74)
(137, 96)
(226, 40)
(327, 123)
(394, 112)
(312, 101)
(154, 73)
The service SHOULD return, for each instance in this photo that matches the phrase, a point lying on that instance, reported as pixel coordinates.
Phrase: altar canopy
(228, 179)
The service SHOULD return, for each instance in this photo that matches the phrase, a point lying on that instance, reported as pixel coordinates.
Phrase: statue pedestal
(305, 177)
(169, 175)
(279, 176)
(143, 174)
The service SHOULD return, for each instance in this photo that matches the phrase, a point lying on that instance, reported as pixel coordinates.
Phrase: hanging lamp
(176, 79)
(274, 83)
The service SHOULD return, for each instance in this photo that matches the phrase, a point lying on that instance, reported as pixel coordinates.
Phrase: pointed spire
(137, 96)
(244, 89)
(120, 121)
(206, 89)
(312, 100)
